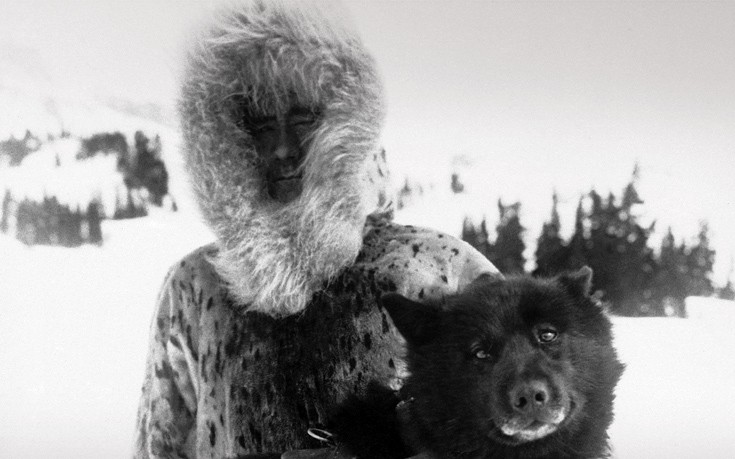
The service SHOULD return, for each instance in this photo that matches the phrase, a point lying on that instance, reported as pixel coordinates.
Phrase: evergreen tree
(617, 250)
(456, 185)
(669, 278)
(476, 236)
(148, 170)
(551, 252)
(94, 222)
(507, 251)
(577, 247)
(5, 220)
(107, 143)
(700, 261)
(25, 228)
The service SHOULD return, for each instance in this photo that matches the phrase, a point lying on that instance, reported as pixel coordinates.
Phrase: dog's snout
(528, 396)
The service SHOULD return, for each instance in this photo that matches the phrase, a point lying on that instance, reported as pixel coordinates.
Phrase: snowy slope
(74, 330)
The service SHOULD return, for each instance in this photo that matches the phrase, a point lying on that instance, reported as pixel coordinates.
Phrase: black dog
(514, 368)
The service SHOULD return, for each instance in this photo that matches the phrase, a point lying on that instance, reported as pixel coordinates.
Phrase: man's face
(281, 144)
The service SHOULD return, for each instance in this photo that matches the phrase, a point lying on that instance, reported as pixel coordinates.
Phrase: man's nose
(287, 146)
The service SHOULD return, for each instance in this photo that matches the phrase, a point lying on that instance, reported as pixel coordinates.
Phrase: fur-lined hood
(255, 59)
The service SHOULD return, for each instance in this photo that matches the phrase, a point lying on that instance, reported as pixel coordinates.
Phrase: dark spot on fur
(241, 441)
(415, 248)
(391, 364)
(444, 279)
(210, 302)
(368, 341)
(440, 236)
(455, 251)
(212, 434)
(175, 341)
(218, 359)
(164, 371)
(183, 263)
(222, 420)
(353, 364)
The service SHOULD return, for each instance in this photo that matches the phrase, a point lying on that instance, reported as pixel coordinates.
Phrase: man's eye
(261, 128)
(302, 121)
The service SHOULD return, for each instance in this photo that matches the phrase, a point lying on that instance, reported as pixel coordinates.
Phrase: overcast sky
(539, 94)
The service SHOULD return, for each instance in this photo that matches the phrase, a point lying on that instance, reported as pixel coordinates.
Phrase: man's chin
(285, 190)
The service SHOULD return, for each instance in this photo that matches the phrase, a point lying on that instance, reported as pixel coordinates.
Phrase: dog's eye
(482, 354)
(480, 351)
(547, 335)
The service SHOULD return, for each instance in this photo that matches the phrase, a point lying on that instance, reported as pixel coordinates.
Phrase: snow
(74, 333)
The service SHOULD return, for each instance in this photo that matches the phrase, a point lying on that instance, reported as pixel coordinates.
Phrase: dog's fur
(460, 406)
(258, 59)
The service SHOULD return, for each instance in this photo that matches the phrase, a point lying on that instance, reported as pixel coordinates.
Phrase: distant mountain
(32, 99)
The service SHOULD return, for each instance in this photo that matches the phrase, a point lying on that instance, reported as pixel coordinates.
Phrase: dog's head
(511, 365)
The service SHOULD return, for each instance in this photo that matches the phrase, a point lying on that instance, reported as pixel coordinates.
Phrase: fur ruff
(259, 59)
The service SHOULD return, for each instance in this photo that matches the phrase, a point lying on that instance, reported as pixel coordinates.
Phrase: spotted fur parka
(256, 336)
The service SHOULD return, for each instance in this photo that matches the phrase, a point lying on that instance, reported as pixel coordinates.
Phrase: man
(257, 336)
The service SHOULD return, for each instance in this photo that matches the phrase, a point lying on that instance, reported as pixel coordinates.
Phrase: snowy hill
(33, 99)
(74, 332)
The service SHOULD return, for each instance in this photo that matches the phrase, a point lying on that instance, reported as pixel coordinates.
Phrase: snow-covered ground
(74, 328)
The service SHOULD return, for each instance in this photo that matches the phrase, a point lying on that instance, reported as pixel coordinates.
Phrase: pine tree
(476, 236)
(577, 247)
(700, 261)
(551, 252)
(148, 170)
(617, 250)
(669, 283)
(94, 222)
(456, 186)
(5, 220)
(507, 251)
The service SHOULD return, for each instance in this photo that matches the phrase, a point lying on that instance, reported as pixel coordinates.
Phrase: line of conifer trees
(50, 223)
(629, 275)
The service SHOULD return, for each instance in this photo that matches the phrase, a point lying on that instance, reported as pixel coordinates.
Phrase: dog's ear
(417, 322)
(578, 282)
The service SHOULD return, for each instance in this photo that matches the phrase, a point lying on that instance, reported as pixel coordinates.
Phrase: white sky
(537, 94)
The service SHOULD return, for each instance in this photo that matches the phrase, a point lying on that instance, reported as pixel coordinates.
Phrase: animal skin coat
(256, 336)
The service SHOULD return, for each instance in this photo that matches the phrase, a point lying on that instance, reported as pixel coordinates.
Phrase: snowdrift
(74, 330)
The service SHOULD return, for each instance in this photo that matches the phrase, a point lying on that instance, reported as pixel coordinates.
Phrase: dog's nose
(528, 396)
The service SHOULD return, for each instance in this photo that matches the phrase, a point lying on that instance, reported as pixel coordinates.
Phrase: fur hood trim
(260, 58)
